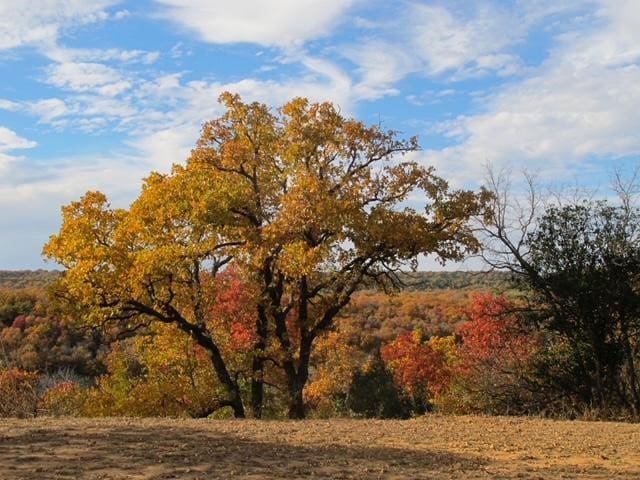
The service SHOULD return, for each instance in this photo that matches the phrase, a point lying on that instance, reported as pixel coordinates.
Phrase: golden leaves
(301, 194)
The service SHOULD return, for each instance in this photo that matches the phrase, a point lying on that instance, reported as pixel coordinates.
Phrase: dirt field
(431, 447)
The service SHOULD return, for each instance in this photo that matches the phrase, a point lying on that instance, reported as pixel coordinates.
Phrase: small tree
(18, 393)
(422, 368)
(587, 263)
(579, 260)
(374, 394)
(496, 356)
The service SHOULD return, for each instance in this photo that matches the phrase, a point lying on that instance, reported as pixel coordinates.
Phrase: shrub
(63, 399)
(373, 392)
(18, 393)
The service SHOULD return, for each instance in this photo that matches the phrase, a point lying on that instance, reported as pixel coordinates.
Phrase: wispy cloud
(582, 103)
(64, 54)
(9, 141)
(40, 22)
(449, 43)
(280, 23)
(87, 77)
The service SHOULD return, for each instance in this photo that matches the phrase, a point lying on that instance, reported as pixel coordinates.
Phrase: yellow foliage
(335, 362)
(309, 204)
(165, 374)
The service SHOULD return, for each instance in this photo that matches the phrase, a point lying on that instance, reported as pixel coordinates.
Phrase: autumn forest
(276, 274)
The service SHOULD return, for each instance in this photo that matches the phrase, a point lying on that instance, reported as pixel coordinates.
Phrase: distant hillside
(27, 278)
(458, 280)
(413, 281)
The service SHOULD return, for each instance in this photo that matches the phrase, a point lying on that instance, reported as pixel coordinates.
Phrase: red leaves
(242, 336)
(417, 364)
(233, 309)
(494, 334)
(493, 343)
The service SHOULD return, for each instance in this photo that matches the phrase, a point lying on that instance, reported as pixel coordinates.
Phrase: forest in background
(28, 278)
(447, 342)
(441, 280)
(51, 364)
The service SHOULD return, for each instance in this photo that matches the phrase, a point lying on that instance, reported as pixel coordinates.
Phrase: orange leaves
(160, 375)
(418, 365)
(334, 362)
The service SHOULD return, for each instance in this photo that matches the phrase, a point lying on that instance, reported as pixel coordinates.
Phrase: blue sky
(94, 94)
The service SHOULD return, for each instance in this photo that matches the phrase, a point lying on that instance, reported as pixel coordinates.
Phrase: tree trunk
(257, 366)
(631, 370)
(296, 402)
(257, 387)
(202, 338)
(298, 379)
(236, 405)
(235, 400)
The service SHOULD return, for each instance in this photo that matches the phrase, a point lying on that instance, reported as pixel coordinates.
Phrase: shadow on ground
(176, 452)
(433, 448)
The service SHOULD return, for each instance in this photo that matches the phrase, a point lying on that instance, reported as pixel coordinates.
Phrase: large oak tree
(307, 204)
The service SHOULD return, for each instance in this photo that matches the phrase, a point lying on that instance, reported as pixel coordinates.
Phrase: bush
(373, 393)
(63, 399)
(18, 393)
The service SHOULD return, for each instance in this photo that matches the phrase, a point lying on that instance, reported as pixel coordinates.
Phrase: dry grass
(432, 447)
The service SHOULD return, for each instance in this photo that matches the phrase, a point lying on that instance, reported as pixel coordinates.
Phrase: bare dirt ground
(432, 447)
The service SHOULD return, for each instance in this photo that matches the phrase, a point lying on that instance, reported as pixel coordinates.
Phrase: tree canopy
(307, 205)
(585, 270)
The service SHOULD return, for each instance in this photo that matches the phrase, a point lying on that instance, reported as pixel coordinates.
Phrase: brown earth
(433, 447)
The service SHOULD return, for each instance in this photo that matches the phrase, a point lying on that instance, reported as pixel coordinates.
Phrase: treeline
(28, 278)
(462, 280)
(421, 280)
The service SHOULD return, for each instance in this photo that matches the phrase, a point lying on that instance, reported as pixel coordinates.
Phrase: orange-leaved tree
(307, 204)
(422, 368)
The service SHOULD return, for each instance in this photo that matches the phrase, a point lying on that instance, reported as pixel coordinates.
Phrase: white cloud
(48, 109)
(380, 66)
(8, 105)
(178, 51)
(282, 23)
(87, 77)
(582, 103)
(439, 41)
(40, 22)
(9, 141)
(163, 148)
(471, 46)
(84, 112)
(121, 14)
(63, 55)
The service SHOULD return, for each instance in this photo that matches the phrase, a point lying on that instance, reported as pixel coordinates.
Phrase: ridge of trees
(418, 280)
(28, 278)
